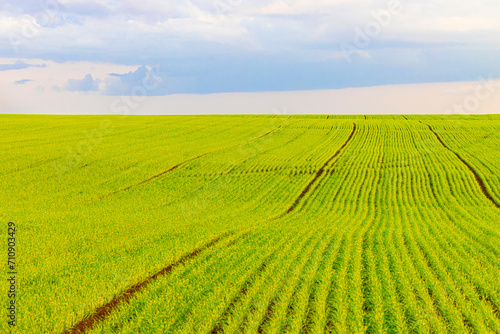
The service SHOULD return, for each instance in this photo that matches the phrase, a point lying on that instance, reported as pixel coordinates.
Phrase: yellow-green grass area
(253, 224)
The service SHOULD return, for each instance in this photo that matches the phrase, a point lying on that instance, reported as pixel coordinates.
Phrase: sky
(85, 49)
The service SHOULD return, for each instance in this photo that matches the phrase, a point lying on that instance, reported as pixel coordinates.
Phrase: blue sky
(210, 46)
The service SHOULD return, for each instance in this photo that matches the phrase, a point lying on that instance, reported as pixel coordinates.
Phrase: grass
(254, 224)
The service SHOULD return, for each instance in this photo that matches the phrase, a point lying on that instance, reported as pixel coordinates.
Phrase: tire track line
(152, 178)
(188, 270)
(102, 312)
(478, 178)
(317, 176)
(219, 179)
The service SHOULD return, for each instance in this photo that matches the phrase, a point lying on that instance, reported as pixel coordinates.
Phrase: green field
(253, 224)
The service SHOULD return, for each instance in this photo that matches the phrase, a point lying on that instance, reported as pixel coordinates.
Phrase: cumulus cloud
(87, 84)
(147, 81)
(124, 84)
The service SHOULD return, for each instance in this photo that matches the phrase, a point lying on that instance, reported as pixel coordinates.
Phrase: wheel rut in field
(102, 312)
(220, 179)
(478, 178)
(318, 175)
(171, 169)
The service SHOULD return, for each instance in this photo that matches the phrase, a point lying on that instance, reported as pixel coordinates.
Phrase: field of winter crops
(253, 224)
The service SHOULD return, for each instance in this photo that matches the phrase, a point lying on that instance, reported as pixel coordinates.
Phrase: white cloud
(166, 27)
(87, 84)
(254, 37)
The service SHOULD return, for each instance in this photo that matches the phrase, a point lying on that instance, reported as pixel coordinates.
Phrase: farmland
(254, 224)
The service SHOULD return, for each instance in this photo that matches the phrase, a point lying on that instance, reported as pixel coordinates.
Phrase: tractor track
(171, 169)
(102, 312)
(318, 175)
(478, 178)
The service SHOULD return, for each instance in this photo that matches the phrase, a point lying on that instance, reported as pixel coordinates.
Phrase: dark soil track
(478, 178)
(171, 169)
(318, 174)
(104, 311)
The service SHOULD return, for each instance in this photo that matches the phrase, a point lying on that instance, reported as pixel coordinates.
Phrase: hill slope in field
(262, 224)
